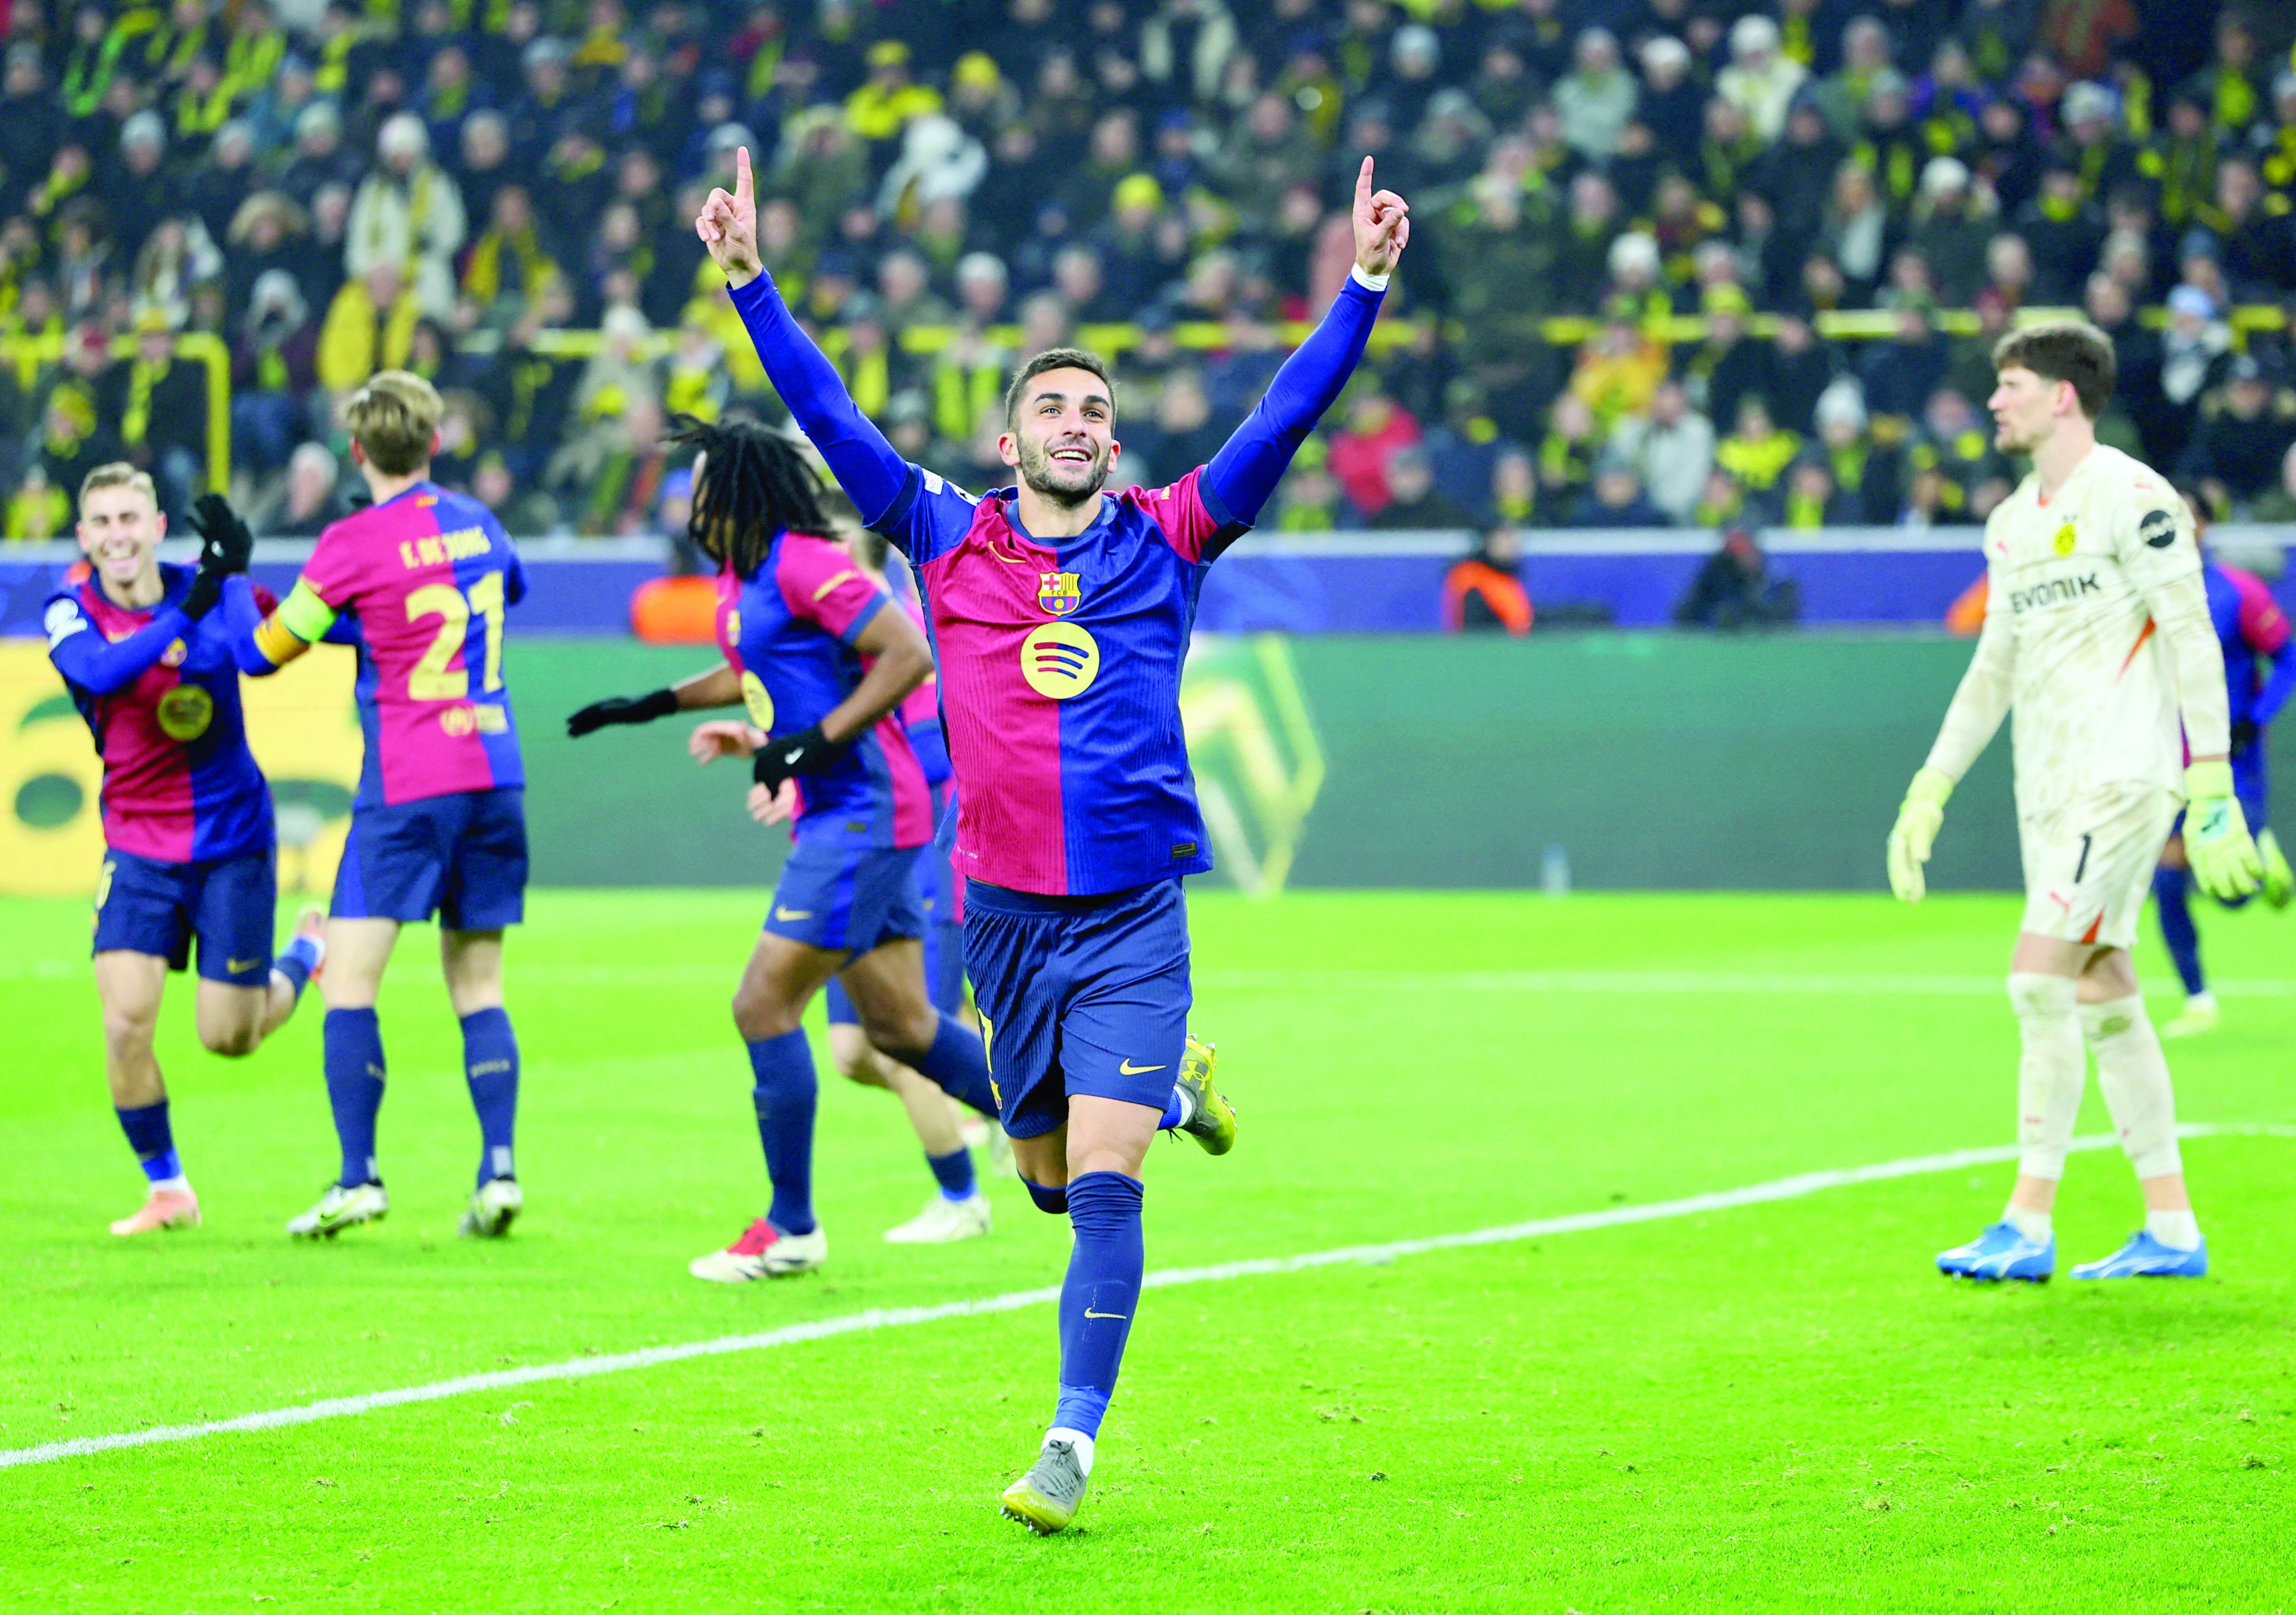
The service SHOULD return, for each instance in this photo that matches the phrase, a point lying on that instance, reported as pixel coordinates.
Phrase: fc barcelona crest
(1059, 593)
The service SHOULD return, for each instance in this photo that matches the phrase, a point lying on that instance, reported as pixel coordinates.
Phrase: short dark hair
(1055, 358)
(2065, 350)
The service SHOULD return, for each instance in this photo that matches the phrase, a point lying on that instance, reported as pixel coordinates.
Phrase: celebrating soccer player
(1062, 615)
(823, 666)
(2260, 672)
(421, 579)
(2097, 632)
(188, 847)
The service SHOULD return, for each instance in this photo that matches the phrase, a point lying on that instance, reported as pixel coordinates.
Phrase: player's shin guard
(153, 1140)
(955, 1063)
(2171, 895)
(786, 1094)
(490, 1067)
(2050, 1069)
(352, 1039)
(1101, 1294)
(2134, 1075)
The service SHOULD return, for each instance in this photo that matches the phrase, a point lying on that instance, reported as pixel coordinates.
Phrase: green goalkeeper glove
(1920, 816)
(2217, 842)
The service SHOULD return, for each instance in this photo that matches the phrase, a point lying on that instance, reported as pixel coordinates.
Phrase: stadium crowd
(325, 189)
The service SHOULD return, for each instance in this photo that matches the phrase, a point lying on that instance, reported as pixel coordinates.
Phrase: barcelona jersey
(788, 630)
(1059, 662)
(179, 784)
(427, 577)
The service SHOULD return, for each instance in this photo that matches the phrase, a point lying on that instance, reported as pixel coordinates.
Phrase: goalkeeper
(2097, 632)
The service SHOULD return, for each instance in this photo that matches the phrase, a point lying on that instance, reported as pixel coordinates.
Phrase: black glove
(785, 755)
(206, 590)
(622, 710)
(2243, 736)
(229, 544)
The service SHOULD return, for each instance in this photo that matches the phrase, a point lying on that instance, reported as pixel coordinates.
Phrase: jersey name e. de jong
(427, 575)
(1059, 662)
(2093, 689)
(789, 629)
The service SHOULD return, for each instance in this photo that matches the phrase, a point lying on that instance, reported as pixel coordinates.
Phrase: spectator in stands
(1671, 449)
(1615, 500)
(370, 326)
(1758, 450)
(1950, 227)
(1514, 487)
(1310, 497)
(2245, 429)
(1738, 588)
(408, 213)
(2278, 502)
(273, 365)
(1812, 499)
(1376, 427)
(310, 498)
(1414, 503)
(1483, 591)
(1761, 78)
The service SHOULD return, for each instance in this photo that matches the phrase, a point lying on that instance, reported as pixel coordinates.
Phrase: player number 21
(432, 679)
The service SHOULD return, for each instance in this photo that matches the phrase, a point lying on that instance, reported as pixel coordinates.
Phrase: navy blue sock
(490, 1066)
(956, 1063)
(296, 963)
(353, 1041)
(953, 1173)
(1176, 1109)
(151, 1139)
(1054, 1202)
(1100, 1296)
(784, 1094)
(2170, 893)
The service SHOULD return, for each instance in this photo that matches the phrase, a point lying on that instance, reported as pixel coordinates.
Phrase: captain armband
(300, 622)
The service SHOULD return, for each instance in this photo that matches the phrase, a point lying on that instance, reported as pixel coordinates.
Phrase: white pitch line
(898, 1317)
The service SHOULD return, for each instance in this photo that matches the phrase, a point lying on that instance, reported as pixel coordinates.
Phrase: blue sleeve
(1245, 471)
(866, 466)
(242, 616)
(2279, 686)
(86, 659)
(932, 747)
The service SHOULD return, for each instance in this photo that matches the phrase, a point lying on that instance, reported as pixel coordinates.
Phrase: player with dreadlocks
(823, 666)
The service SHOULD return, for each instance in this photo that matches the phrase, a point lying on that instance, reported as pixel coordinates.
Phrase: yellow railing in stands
(200, 347)
(1860, 324)
(1867, 324)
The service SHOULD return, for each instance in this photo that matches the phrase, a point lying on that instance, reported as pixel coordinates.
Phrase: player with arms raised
(439, 826)
(2097, 632)
(188, 847)
(1061, 615)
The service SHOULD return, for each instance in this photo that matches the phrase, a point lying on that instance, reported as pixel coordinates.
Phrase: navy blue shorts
(847, 899)
(144, 905)
(1080, 996)
(461, 857)
(944, 977)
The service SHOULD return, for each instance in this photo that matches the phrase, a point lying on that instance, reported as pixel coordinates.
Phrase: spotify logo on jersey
(1060, 659)
(754, 696)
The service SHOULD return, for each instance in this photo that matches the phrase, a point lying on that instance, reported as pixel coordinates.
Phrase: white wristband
(1370, 282)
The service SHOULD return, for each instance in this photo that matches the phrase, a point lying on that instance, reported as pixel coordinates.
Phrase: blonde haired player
(2097, 632)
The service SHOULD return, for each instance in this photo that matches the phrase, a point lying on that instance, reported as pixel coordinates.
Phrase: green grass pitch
(1776, 1406)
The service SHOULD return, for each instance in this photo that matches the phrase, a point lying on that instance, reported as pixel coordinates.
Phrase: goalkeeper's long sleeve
(869, 469)
(2175, 592)
(1981, 699)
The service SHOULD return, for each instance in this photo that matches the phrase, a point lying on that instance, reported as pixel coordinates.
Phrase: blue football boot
(2001, 1252)
(2145, 1256)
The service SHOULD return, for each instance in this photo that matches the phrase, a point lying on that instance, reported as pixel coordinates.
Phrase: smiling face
(119, 531)
(1062, 435)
